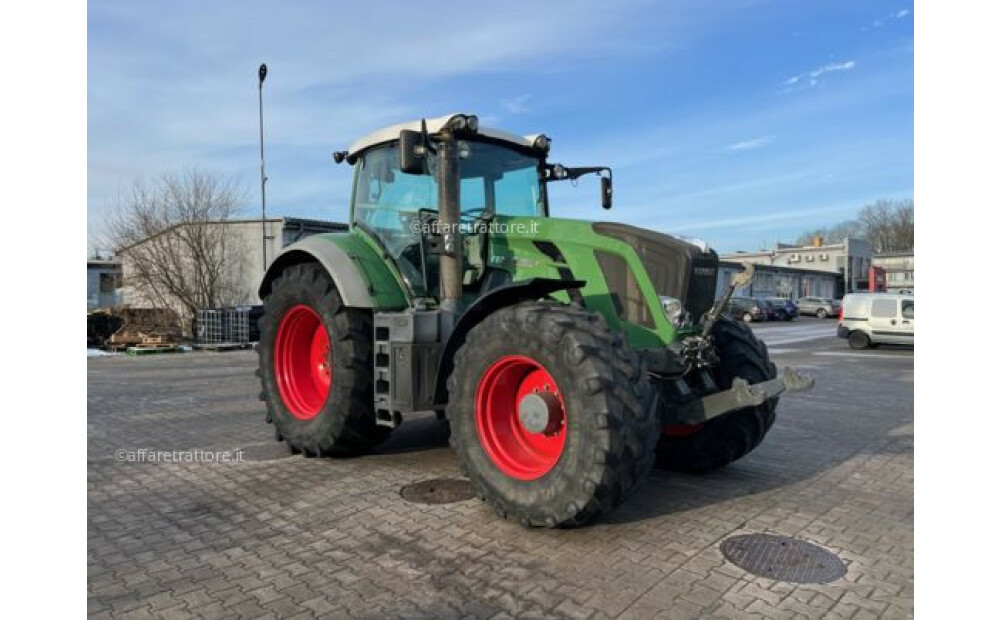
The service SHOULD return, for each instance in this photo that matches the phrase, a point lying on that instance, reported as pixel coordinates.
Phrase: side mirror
(606, 192)
(411, 152)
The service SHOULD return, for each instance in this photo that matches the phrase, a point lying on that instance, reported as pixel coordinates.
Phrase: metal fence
(223, 326)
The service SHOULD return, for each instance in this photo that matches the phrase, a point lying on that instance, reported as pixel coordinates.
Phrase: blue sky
(737, 121)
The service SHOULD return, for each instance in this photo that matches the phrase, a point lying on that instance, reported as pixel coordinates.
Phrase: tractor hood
(627, 269)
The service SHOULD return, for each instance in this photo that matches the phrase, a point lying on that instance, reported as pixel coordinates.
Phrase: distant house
(248, 240)
(104, 283)
(898, 268)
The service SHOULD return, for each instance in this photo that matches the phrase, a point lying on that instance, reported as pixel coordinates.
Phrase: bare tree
(886, 224)
(175, 254)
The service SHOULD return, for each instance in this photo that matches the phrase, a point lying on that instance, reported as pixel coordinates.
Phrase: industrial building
(254, 243)
(816, 270)
(104, 283)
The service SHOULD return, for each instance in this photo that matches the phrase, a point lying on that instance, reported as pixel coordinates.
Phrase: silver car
(876, 318)
(818, 306)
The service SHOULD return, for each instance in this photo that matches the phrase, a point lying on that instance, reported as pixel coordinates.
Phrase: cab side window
(907, 309)
(884, 308)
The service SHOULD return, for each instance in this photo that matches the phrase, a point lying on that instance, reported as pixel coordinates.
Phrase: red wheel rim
(302, 362)
(515, 451)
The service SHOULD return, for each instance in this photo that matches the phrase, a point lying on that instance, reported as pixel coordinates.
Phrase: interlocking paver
(283, 536)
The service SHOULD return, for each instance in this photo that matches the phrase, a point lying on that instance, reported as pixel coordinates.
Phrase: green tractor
(568, 357)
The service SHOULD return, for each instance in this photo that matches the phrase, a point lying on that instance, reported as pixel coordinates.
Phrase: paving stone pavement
(281, 536)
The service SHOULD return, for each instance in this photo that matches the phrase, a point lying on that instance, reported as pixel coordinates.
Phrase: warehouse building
(849, 262)
(777, 281)
(104, 283)
(252, 244)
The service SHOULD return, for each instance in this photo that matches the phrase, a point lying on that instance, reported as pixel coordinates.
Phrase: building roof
(781, 268)
(899, 254)
(294, 222)
(387, 134)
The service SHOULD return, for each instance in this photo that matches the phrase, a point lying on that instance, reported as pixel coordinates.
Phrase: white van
(868, 319)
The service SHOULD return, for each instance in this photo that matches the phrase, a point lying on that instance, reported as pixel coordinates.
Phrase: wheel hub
(520, 417)
(540, 412)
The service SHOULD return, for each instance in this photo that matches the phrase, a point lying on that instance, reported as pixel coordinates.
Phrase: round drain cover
(782, 558)
(439, 491)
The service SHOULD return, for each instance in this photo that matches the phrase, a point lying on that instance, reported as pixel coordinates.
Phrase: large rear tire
(316, 367)
(722, 440)
(594, 442)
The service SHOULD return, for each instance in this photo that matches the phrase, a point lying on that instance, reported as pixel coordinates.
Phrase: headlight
(673, 308)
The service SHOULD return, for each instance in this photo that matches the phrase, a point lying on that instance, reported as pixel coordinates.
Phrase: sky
(740, 122)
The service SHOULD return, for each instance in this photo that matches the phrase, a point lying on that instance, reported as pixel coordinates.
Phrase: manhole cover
(440, 491)
(782, 558)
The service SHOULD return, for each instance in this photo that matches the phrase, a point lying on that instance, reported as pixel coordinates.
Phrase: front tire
(316, 366)
(729, 437)
(747, 317)
(821, 313)
(595, 442)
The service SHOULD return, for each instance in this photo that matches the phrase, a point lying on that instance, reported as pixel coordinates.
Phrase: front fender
(500, 297)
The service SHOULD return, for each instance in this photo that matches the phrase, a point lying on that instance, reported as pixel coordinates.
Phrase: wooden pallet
(154, 349)
(223, 346)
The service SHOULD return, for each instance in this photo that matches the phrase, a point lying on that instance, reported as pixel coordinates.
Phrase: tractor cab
(499, 182)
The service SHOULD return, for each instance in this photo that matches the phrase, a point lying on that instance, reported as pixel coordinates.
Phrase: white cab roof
(387, 134)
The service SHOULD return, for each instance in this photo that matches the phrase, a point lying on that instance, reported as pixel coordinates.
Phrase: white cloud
(749, 145)
(517, 105)
(902, 14)
(812, 78)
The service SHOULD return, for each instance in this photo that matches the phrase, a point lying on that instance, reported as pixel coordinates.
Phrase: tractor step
(406, 358)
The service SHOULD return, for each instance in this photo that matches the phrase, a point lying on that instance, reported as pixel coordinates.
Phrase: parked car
(787, 310)
(876, 318)
(771, 311)
(745, 309)
(819, 306)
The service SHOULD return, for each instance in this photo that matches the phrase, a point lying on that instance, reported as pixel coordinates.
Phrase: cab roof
(388, 134)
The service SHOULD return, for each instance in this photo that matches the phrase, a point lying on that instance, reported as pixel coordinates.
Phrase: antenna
(261, 75)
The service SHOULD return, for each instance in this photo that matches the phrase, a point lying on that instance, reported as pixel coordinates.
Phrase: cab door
(884, 320)
(906, 321)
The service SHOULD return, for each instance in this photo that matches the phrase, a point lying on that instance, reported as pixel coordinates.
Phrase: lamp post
(261, 75)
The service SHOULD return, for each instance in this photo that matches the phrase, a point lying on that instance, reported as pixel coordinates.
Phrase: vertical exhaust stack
(448, 218)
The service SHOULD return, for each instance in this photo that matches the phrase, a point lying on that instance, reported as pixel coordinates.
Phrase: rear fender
(359, 273)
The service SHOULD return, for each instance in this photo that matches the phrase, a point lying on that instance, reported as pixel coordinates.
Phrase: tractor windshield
(387, 203)
(495, 180)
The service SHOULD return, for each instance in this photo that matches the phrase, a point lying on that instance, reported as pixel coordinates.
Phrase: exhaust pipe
(449, 201)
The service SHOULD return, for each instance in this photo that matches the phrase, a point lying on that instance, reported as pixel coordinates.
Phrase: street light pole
(261, 75)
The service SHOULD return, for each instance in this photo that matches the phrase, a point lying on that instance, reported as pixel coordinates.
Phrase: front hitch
(743, 394)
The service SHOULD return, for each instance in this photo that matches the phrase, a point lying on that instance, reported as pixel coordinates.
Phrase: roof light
(543, 142)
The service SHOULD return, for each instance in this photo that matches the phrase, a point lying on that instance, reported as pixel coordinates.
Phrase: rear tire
(606, 416)
(821, 313)
(722, 440)
(317, 416)
(859, 340)
(747, 317)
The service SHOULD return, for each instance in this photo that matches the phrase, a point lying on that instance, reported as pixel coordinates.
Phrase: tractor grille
(676, 268)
